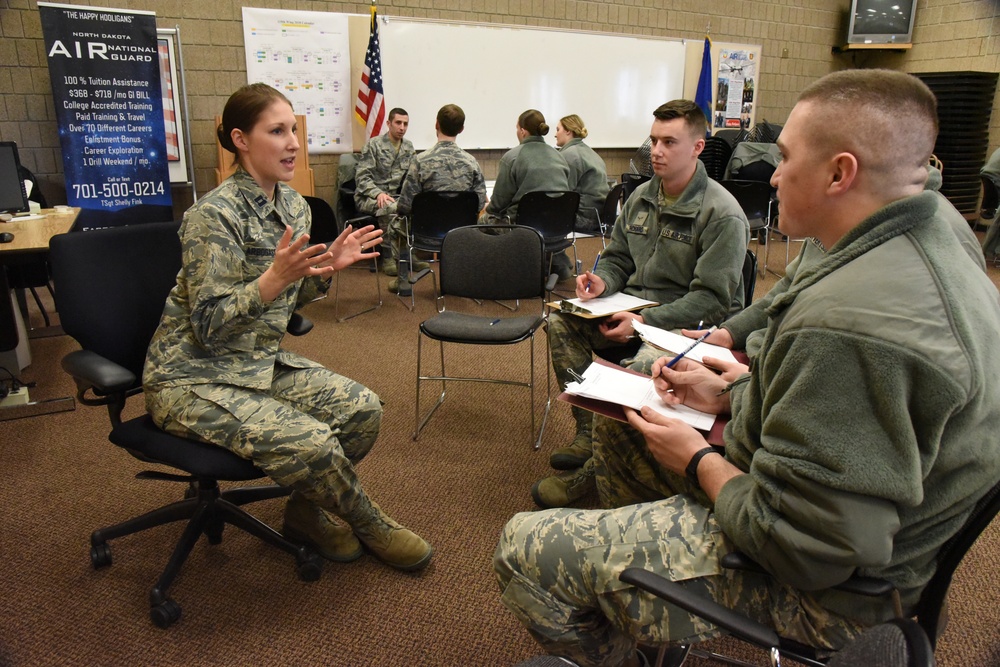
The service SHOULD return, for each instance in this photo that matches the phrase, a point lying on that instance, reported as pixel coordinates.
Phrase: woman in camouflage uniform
(215, 371)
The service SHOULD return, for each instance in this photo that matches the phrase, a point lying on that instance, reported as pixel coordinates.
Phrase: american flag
(370, 108)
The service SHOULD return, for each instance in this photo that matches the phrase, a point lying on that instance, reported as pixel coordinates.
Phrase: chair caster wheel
(309, 567)
(213, 531)
(100, 555)
(165, 614)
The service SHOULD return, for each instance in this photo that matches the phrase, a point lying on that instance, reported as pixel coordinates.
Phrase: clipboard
(617, 412)
(616, 303)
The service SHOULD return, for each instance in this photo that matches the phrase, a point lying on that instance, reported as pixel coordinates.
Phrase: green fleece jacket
(531, 166)
(687, 257)
(589, 176)
(868, 425)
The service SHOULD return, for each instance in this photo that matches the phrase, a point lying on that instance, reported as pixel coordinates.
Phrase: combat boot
(389, 267)
(565, 488)
(308, 523)
(574, 456)
(389, 542)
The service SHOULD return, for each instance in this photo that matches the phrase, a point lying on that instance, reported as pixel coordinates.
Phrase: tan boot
(308, 523)
(574, 456)
(391, 543)
(565, 488)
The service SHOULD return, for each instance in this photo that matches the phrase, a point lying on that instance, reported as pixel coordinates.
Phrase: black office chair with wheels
(111, 285)
(930, 611)
(553, 214)
(477, 263)
(326, 228)
(432, 216)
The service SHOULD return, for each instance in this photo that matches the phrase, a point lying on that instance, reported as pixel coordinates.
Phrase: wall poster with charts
(305, 55)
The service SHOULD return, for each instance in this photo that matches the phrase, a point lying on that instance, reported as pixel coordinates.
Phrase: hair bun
(543, 129)
(225, 139)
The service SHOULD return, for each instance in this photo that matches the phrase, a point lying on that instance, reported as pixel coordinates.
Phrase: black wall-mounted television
(12, 195)
(881, 22)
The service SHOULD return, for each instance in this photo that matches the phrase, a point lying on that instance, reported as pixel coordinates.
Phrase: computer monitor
(13, 198)
(881, 21)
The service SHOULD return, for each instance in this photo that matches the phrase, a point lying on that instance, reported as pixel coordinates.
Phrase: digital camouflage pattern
(558, 573)
(215, 371)
(381, 168)
(443, 167)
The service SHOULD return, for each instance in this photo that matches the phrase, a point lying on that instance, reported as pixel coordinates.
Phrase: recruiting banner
(105, 72)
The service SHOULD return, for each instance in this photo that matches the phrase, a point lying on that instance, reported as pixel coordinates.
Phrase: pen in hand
(587, 288)
(673, 362)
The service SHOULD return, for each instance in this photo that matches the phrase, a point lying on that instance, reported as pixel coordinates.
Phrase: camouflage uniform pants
(306, 432)
(558, 572)
(573, 341)
(626, 472)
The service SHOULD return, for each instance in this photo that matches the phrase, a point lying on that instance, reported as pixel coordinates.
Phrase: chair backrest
(630, 182)
(897, 643)
(753, 161)
(715, 157)
(609, 213)
(434, 214)
(749, 277)
(502, 262)
(324, 222)
(754, 197)
(552, 213)
(931, 604)
(111, 285)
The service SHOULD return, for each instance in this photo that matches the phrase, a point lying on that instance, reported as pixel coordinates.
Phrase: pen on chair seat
(496, 321)
(673, 362)
(596, 260)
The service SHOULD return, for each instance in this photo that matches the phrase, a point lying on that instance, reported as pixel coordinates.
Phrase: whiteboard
(496, 72)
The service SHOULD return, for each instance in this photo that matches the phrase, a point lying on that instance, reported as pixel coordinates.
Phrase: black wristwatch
(692, 467)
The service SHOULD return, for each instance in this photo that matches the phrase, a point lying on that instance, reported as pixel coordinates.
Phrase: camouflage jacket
(215, 328)
(443, 167)
(381, 167)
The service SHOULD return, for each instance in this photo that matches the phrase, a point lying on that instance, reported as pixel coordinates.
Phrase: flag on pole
(370, 108)
(703, 97)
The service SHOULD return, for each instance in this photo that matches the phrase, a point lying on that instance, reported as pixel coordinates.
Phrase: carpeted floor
(242, 602)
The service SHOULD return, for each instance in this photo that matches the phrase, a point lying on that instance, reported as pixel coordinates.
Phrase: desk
(31, 238)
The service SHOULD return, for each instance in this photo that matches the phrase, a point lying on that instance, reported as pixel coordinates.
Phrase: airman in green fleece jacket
(859, 442)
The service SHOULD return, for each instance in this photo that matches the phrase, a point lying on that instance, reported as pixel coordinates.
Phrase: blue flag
(703, 98)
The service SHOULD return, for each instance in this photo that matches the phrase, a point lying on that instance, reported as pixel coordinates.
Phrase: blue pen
(587, 288)
(700, 322)
(496, 321)
(672, 362)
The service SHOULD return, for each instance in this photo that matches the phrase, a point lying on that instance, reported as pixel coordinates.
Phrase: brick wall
(796, 36)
